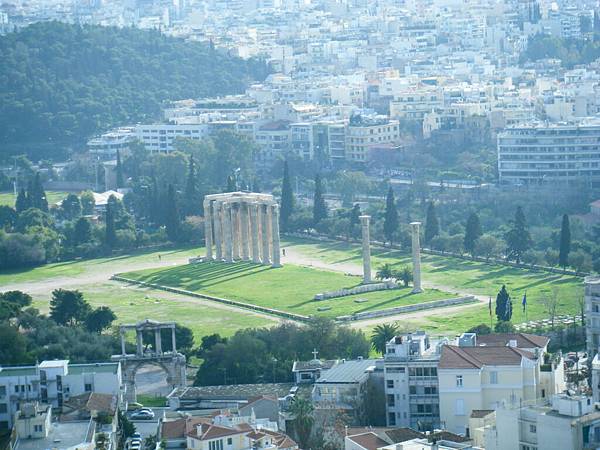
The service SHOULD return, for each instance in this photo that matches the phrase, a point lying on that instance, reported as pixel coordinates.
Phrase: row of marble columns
(139, 339)
(242, 231)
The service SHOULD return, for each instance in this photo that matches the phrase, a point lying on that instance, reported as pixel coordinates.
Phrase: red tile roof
(454, 357)
(369, 441)
(524, 340)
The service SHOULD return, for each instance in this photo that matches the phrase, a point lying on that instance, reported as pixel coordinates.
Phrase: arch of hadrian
(242, 226)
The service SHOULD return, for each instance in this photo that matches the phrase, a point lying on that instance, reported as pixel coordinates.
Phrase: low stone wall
(226, 301)
(363, 288)
(407, 309)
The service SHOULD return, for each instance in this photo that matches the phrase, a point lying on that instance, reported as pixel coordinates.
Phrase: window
(229, 441)
(412, 390)
(459, 381)
(494, 377)
(3, 408)
(459, 407)
(215, 445)
(390, 384)
(38, 428)
(88, 387)
(390, 400)
(532, 429)
(2, 391)
(391, 419)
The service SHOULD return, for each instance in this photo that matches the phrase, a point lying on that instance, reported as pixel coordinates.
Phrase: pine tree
(390, 222)
(319, 206)
(472, 233)
(37, 195)
(110, 234)
(191, 194)
(22, 203)
(287, 199)
(565, 242)
(119, 171)
(518, 239)
(172, 214)
(432, 226)
(503, 305)
(231, 184)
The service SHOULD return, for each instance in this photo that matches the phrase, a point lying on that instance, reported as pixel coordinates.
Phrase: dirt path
(97, 273)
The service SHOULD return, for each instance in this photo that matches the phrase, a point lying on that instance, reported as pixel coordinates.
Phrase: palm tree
(385, 272)
(404, 274)
(302, 410)
(382, 335)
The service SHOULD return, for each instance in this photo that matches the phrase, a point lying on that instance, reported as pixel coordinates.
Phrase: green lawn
(464, 276)
(290, 288)
(8, 198)
(82, 267)
(132, 304)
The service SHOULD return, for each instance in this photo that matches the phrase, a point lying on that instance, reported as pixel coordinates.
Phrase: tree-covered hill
(61, 83)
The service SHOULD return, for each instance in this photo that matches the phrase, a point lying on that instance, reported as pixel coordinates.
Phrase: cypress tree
(472, 233)
(503, 305)
(191, 194)
(390, 222)
(37, 194)
(319, 206)
(565, 242)
(287, 199)
(231, 184)
(110, 234)
(22, 203)
(119, 171)
(172, 214)
(518, 239)
(432, 226)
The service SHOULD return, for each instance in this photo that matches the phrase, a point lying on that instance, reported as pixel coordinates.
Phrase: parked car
(133, 406)
(135, 436)
(143, 415)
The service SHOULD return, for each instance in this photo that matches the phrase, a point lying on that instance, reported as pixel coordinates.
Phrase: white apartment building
(568, 423)
(52, 382)
(411, 381)
(274, 140)
(364, 133)
(484, 371)
(161, 137)
(539, 153)
(106, 145)
(414, 102)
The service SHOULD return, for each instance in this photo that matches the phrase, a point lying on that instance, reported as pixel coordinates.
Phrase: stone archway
(172, 362)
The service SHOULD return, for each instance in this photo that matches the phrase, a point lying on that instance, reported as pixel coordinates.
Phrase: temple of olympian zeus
(242, 226)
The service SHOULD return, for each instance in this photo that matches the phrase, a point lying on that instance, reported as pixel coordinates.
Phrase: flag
(524, 302)
(490, 306)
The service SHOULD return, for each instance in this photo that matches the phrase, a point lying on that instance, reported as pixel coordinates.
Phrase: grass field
(465, 276)
(79, 268)
(290, 288)
(132, 304)
(8, 198)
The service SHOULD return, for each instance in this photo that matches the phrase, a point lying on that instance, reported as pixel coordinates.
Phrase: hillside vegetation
(61, 83)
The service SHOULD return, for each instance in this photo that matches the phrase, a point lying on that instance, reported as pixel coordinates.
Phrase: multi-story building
(592, 314)
(52, 383)
(364, 133)
(273, 138)
(569, 422)
(106, 145)
(539, 153)
(161, 137)
(483, 372)
(411, 381)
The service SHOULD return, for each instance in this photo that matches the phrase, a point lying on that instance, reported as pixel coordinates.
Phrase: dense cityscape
(300, 224)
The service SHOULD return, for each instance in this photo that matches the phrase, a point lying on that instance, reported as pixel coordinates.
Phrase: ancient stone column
(218, 216)
(265, 234)
(235, 230)
(275, 235)
(173, 340)
(157, 342)
(254, 232)
(416, 257)
(123, 342)
(366, 248)
(208, 230)
(139, 343)
(227, 232)
(244, 222)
